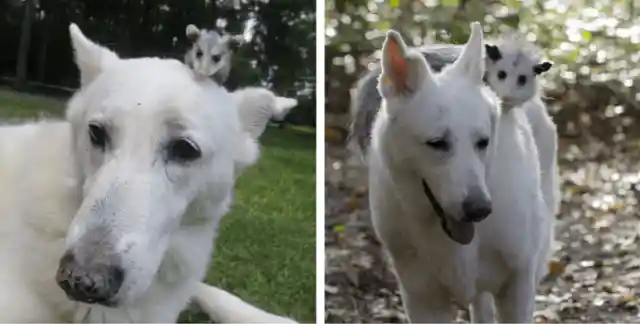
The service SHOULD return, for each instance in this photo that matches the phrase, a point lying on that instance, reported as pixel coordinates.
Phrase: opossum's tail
(364, 108)
(224, 307)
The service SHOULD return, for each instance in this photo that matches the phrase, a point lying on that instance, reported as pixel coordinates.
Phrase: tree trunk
(42, 57)
(25, 40)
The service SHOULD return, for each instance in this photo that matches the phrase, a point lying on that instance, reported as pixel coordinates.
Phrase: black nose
(475, 211)
(92, 283)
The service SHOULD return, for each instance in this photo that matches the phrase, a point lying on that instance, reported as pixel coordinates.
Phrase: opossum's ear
(193, 33)
(493, 52)
(403, 71)
(542, 67)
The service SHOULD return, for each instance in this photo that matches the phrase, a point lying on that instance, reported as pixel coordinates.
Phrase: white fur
(224, 307)
(507, 255)
(518, 59)
(258, 105)
(545, 135)
(58, 192)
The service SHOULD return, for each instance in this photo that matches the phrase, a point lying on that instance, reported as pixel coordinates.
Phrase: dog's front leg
(516, 301)
(425, 301)
(482, 309)
(426, 306)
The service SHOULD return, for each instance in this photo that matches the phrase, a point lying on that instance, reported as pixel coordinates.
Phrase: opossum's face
(210, 54)
(512, 75)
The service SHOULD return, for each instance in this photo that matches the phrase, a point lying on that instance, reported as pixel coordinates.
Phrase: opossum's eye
(216, 58)
(502, 75)
(183, 150)
(439, 144)
(98, 136)
(482, 143)
(198, 53)
(522, 79)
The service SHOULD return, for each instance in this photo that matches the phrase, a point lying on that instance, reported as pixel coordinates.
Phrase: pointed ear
(91, 58)
(234, 41)
(493, 52)
(284, 103)
(247, 153)
(193, 33)
(403, 71)
(542, 67)
(471, 61)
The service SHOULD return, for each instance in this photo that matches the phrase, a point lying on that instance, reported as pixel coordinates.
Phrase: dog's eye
(183, 150)
(98, 136)
(482, 143)
(216, 58)
(502, 75)
(198, 53)
(522, 79)
(438, 144)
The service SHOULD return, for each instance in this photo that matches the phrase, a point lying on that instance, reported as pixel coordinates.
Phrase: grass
(266, 250)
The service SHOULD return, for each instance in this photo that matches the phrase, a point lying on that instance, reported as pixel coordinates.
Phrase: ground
(596, 266)
(266, 250)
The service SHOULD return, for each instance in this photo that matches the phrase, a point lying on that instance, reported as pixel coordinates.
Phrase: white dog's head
(150, 140)
(442, 127)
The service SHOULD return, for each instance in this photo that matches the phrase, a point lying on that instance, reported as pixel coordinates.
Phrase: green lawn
(266, 250)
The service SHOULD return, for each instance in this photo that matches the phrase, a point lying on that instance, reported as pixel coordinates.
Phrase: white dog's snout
(476, 206)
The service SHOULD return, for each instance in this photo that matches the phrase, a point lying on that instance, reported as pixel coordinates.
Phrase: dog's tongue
(459, 231)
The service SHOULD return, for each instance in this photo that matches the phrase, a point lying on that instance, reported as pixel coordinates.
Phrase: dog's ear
(284, 103)
(193, 33)
(542, 67)
(91, 58)
(471, 61)
(493, 52)
(234, 41)
(403, 71)
(247, 154)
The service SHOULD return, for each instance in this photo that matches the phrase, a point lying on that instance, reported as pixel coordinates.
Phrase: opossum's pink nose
(89, 283)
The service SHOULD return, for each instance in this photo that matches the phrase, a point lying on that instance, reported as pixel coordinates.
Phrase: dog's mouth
(460, 232)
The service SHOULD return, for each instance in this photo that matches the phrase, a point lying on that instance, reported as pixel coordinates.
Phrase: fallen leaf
(556, 268)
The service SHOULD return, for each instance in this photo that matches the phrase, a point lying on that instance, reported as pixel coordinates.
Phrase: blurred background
(265, 252)
(592, 93)
(36, 54)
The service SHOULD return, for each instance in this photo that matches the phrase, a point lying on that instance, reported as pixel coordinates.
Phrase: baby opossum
(211, 53)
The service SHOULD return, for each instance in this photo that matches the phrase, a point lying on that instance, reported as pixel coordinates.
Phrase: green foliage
(588, 40)
(280, 56)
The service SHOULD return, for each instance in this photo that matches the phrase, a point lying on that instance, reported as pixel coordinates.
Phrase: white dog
(455, 190)
(111, 215)
(513, 67)
(258, 105)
